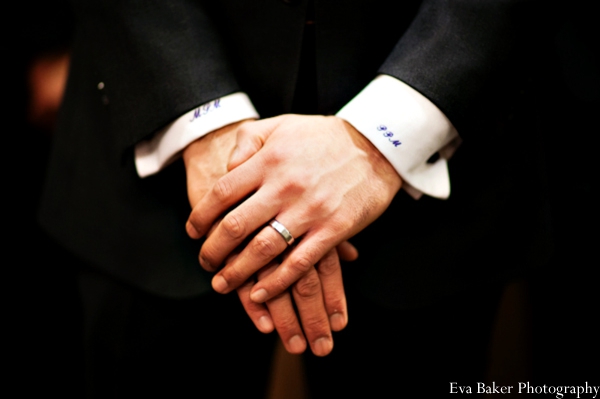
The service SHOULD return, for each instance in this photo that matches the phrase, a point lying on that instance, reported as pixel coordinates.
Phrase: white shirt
(400, 122)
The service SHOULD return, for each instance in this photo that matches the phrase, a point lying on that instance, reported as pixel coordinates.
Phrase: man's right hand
(206, 160)
(320, 303)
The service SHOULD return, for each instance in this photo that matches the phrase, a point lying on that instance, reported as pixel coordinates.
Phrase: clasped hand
(324, 182)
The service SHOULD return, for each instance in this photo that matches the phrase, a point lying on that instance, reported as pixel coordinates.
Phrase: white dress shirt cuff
(408, 129)
(166, 145)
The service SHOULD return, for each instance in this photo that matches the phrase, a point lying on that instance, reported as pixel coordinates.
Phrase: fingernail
(265, 324)
(259, 296)
(191, 231)
(206, 264)
(219, 284)
(322, 346)
(296, 344)
(337, 321)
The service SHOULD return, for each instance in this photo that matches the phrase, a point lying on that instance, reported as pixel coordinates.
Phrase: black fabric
(133, 229)
(141, 345)
(412, 353)
(306, 93)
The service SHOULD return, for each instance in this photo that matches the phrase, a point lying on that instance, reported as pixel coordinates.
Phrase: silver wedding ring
(285, 233)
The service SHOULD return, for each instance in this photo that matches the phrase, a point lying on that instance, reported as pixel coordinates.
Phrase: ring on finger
(285, 233)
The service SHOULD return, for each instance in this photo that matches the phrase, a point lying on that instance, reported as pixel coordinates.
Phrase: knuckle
(345, 224)
(264, 247)
(291, 186)
(233, 275)
(300, 264)
(276, 156)
(308, 286)
(223, 189)
(280, 284)
(286, 323)
(329, 265)
(234, 225)
(317, 326)
(318, 203)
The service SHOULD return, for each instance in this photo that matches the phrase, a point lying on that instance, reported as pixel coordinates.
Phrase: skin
(316, 175)
(318, 295)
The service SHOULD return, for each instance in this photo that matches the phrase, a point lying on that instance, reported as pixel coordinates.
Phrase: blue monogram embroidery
(205, 109)
(388, 134)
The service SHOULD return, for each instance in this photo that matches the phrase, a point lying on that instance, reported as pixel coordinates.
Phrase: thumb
(250, 138)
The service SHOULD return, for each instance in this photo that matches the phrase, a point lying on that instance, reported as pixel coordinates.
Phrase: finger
(236, 226)
(231, 188)
(261, 250)
(330, 275)
(250, 139)
(301, 259)
(284, 318)
(227, 191)
(244, 149)
(257, 312)
(308, 296)
(347, 251)
(205, 160)
(212, 228)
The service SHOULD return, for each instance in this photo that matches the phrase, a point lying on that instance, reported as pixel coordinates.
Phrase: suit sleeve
(149, 63)
(453, 49)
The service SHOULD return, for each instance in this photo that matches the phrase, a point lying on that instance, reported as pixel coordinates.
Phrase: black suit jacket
(156, 60)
